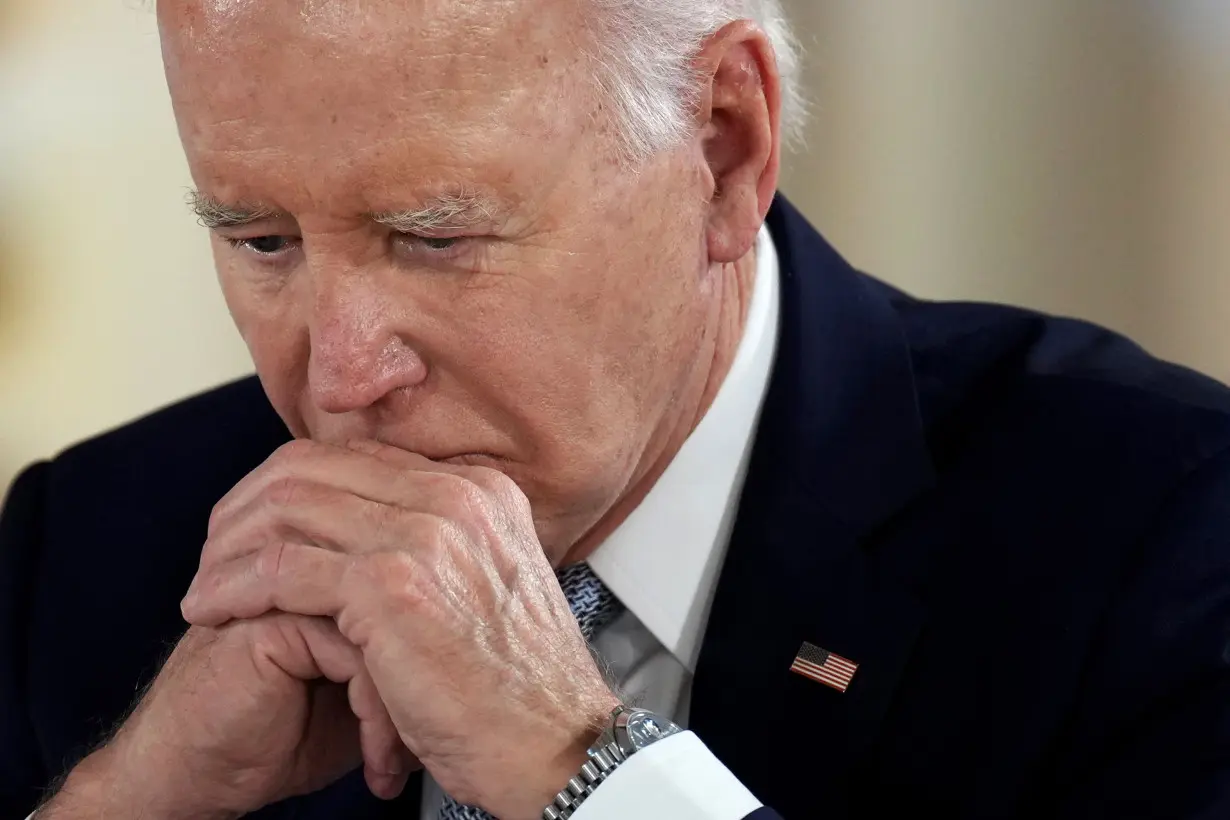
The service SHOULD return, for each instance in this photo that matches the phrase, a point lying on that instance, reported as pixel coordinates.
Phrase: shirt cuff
(676, 777)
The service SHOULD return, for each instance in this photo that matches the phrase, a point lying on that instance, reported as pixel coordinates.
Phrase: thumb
(387, 762)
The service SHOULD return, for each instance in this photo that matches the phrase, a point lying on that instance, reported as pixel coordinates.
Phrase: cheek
(242, 299)
(588, 368)
(275, 338)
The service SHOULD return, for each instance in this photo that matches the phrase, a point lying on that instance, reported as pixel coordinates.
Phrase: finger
(486, 477)
(387, 763)
(456, 491)
(386, 767)
(317, 647)
(300, 462)
(250, 484)
(336, 658)
(402, 458)
(385, 786)
(347, 469)
(289, 577)
(329, 743)
(321, 516)
(380, 739)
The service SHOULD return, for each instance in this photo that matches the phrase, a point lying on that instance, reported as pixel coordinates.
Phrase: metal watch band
(628, 731)
(602, 761)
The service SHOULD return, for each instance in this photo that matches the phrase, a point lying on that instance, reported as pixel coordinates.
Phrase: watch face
(645, 728)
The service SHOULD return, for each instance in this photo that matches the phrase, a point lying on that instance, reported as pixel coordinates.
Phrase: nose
(359, 354)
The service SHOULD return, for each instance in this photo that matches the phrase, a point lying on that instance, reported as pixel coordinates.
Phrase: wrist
(559, 765)
(629, 731)
(107, 785)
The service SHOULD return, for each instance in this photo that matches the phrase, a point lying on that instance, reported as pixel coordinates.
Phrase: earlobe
(739, 123)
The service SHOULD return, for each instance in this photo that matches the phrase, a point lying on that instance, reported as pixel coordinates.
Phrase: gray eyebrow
(451, 211)
(214, 214)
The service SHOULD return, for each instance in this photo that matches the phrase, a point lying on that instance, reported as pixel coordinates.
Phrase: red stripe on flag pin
(824, 667)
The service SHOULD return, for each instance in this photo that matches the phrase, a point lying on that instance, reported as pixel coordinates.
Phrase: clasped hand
(421, 588)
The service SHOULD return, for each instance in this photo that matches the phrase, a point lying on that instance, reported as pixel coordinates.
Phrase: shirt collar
(663, 561)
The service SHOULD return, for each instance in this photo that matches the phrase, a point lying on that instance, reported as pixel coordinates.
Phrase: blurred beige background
(1071, 155)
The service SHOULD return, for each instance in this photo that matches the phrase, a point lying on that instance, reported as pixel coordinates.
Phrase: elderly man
(570, 433)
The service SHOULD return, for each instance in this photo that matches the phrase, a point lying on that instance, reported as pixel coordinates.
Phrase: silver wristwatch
(628, 731)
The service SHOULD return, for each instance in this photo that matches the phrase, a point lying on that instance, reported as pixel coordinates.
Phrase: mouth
(462, 459)
(472, 460)
(440, 455)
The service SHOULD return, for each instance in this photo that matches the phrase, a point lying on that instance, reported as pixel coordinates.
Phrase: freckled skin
(574, 341)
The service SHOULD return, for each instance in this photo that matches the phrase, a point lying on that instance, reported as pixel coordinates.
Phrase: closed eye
(431, 248)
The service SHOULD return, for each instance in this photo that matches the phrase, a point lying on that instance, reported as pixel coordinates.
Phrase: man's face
(424, 237)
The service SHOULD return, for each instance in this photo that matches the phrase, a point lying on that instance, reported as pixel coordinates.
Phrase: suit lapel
(839, 452)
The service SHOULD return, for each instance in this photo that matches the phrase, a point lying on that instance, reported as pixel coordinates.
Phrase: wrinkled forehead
(379, 25)
(454, 66)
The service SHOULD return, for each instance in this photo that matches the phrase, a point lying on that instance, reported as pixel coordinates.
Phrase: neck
(717, 355)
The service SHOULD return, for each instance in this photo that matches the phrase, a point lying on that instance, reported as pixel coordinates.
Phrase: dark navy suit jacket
(1017, 526)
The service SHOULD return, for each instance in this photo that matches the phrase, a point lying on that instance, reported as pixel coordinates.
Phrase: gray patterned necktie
(594, 606)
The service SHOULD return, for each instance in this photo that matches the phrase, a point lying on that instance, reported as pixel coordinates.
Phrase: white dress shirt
(663, 563)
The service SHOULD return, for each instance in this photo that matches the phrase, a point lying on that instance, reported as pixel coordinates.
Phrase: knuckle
(454, 496)
(488, 478)
(264, 637)
(502, 487)
(384, 518)
(470, 496)
(392, 575)
(212, 552)
(215, 518)
(395, 566)
(207, 582)
(293, 451)
(512, 496)
(284, 491)
(285, 458)
(268, 562)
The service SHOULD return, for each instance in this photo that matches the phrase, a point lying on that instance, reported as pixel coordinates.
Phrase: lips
(481, 458)
(463, 459)
(471, 460)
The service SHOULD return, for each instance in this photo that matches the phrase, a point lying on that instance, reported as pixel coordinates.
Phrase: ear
(739, 125)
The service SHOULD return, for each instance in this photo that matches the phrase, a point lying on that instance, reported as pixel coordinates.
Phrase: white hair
(643, 51)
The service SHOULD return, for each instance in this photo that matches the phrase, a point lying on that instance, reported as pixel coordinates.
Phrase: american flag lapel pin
(824, 666)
